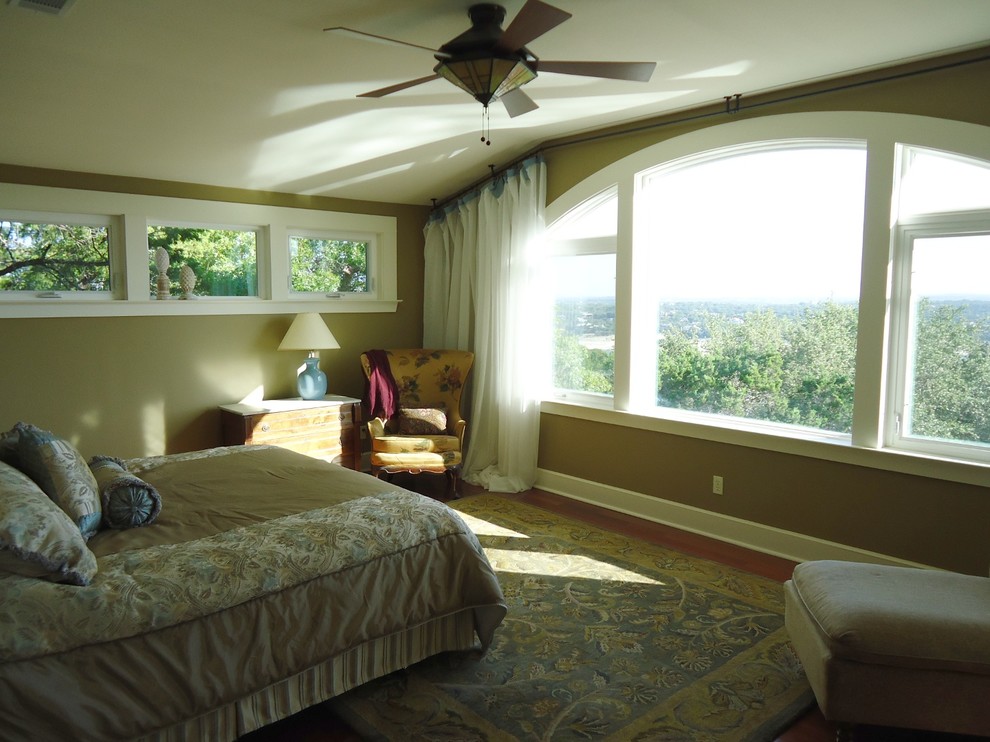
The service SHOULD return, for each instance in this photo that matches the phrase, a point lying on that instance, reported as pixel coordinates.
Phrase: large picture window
(785, 292)
(755, 266)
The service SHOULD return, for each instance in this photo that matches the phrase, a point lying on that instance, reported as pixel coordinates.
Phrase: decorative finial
(161, 263)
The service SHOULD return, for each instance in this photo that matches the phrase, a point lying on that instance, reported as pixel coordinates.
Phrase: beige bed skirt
(358, 665)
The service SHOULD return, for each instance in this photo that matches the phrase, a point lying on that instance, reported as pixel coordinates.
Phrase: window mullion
(276, 261)
(624, 296)
(871, 345)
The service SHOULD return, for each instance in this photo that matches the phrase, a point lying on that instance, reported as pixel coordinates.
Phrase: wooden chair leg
(452, 493)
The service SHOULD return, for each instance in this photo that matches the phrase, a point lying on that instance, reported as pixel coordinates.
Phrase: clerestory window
(202, 261)
(75, 253)
(330, 264)
(49, 256)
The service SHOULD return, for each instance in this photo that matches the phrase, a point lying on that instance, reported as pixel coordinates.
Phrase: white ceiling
(253, 94)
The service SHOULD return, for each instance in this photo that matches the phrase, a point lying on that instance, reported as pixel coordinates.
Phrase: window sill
(824, 447)
(191, 307)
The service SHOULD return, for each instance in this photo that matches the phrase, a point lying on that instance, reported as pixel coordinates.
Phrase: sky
(789, 228)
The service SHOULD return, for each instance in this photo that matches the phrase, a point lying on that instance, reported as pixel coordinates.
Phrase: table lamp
(309, 332)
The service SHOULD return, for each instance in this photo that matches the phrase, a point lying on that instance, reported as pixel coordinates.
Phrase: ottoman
(893, 646)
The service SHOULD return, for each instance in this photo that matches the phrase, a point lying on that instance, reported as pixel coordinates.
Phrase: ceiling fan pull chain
(486, 126)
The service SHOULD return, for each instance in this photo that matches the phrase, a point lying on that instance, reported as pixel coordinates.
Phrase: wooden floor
(314, 726)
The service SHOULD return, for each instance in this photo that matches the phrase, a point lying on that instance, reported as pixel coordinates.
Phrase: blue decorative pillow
(128, 501)
(58, 468)
(37, 539)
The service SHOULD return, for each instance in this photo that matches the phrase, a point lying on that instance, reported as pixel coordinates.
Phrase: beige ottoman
(893, 646)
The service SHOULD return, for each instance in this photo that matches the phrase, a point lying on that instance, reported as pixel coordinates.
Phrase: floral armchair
(415, 422)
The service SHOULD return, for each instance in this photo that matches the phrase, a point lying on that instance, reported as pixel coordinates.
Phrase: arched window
(830, 286)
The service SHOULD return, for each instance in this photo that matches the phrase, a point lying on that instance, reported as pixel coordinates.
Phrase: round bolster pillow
(128, 501)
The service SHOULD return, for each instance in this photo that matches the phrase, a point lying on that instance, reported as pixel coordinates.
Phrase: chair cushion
(433, 462)
(414, 444)
(899, 616)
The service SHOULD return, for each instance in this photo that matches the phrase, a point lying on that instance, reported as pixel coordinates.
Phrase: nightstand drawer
(270, 426)
(328, 429)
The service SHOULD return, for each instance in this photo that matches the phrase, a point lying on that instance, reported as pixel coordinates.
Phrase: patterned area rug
(607, 638)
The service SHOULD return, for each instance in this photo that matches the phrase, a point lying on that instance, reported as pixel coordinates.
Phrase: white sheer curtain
(482, 294)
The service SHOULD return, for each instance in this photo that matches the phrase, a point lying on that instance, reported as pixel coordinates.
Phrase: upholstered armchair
(414, 401)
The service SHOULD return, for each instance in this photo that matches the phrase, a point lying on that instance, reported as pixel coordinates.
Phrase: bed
(268, 582)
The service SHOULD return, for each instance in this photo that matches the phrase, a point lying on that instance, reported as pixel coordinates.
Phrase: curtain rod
(731, 107)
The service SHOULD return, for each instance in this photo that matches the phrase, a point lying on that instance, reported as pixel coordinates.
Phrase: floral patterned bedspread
(148, 589)
(262, 565)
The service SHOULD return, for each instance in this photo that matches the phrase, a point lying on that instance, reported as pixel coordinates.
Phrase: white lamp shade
(308, 331)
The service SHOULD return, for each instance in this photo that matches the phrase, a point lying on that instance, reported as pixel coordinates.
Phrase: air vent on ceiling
(55, 7)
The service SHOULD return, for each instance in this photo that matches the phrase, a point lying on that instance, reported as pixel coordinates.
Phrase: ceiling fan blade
(517, 103)
(365, 36)
(381, 92)
(533, 20)
(636, 71)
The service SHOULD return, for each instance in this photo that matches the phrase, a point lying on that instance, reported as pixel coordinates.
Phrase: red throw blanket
(381, 393)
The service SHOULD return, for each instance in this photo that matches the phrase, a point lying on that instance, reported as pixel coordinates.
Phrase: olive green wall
(133, 386)
(956, 91)
(920, 519)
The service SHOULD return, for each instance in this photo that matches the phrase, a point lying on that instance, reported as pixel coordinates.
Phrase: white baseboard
(756, 536)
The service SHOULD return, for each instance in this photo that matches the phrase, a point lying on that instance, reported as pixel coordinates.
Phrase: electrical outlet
(717, 488)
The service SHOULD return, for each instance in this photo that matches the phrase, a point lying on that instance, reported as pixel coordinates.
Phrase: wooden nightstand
(328, 428)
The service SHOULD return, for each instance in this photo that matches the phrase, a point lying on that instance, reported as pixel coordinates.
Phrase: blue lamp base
(312, 381)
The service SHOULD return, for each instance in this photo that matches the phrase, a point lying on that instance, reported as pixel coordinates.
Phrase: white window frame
(869, 445)
(373, 260)
(132, 213)
(115, 244)
(576, 247)
(642, 396)
(260, 245)
(902, 334)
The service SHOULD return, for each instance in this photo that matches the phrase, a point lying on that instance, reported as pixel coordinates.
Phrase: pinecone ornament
(162, 262)
(187, 280)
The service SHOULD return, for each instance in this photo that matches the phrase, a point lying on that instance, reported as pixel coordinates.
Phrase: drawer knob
(265, 427)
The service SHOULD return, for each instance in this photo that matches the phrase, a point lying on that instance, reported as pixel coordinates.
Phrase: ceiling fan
(493, 64)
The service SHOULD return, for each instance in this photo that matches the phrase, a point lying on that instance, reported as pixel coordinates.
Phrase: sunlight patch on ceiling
(726, 70)
(301, 98)
(451, 155)
(589, 107)
(322, 190)
(342, 142)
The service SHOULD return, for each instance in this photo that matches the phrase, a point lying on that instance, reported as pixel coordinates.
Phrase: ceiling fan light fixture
(486, 78)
